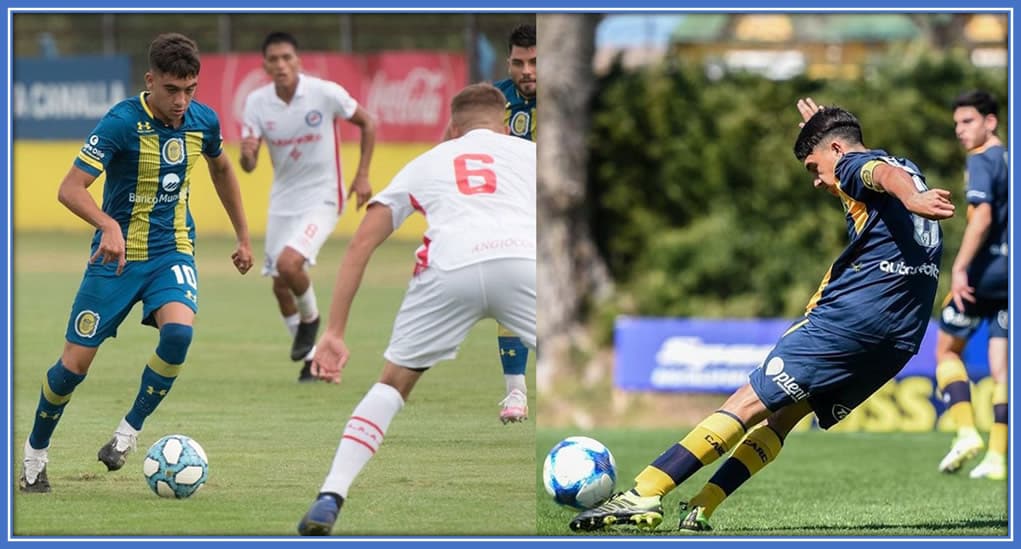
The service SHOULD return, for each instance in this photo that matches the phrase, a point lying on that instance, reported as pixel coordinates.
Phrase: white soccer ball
(175, 467)
(579, 472)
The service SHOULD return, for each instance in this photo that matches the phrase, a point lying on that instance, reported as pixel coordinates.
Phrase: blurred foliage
(699, 205)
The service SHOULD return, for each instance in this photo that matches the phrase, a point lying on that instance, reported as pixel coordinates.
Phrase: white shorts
(306, 233)
(442, 306)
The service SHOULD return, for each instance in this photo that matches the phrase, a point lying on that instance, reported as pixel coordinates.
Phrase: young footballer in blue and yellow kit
(978, 289)
(862, 325)
(143, 248)
(519, 90)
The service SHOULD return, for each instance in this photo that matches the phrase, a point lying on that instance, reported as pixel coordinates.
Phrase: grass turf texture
(822, 484)
(447, 466)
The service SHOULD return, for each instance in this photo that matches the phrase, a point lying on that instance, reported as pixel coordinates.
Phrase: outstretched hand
(330, 358)
(807, 108)
(932, 204)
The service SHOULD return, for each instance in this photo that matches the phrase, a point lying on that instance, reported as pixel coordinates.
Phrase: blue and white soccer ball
(579, 472)
(175, 467)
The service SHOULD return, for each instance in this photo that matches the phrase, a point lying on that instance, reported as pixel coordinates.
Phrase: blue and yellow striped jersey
(520, 113)
(882, 286)
(148, 168)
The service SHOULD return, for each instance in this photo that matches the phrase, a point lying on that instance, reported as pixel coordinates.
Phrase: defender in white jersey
(477, 192)
(295, 116)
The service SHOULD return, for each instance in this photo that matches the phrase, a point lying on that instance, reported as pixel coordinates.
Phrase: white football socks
(307, 305)
(362, 436)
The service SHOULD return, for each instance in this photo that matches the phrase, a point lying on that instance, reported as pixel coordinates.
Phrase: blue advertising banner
(715, 356)
(64, 97)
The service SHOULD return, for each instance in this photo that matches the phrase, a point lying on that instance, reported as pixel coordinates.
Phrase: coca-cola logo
(415, 99)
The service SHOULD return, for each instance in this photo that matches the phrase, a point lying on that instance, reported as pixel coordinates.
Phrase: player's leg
(58, 384)
(712, 438)
(953, 385)
(758, 449)
(175, 321)
(362, 437)
(169, 304)
(994, 464)
(101, 304)
(435, 317)
(510, 293)
(305, 237)
(514, 359)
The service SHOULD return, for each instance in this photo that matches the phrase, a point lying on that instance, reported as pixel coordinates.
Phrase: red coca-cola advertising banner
(408, 92)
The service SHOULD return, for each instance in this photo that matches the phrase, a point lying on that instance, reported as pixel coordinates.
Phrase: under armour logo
(144, 127)
(54, 417)
(150, 390)
(508, 352)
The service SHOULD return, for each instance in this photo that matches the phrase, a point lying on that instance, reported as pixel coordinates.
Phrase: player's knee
(174, 342)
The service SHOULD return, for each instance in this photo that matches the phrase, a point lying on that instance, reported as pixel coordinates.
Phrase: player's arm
(980, 220)
(227, 189)
(74, 195)
(249, 153)
(331, 351)
(360, 186)
(930, 204)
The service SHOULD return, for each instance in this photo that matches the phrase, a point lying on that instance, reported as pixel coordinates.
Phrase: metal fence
(482, 37)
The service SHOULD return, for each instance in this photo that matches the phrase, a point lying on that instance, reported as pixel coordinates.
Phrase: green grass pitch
(822, 484)
(447, 466)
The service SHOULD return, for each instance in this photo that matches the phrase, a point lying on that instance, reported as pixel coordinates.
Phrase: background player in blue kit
(978, 289)
(519, 117)
(860, 328)
(143, 248)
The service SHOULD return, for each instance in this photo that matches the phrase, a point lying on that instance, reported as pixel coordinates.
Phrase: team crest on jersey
(840, 411)
(1003, 319)
(520, 123)
(86, 323)
(314, 118)
(173, 151)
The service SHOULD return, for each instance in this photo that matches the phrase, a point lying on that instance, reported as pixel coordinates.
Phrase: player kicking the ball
(862, 325)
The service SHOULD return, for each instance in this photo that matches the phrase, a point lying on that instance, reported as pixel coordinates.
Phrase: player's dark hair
(828, 123)
(983, 101)
(523, 36)
(279, 38)
(174, 54)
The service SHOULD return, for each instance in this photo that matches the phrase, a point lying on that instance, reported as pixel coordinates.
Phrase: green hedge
(699, 205)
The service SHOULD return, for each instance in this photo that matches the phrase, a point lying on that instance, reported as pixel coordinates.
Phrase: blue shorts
(962, 324)
(105, 299)
(835, 373)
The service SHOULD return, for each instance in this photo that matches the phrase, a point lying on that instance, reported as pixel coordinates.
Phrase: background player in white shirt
(295, 115)
(477, 192)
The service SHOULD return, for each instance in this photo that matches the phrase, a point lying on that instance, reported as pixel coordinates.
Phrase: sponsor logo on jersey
(173, 151)
(786, 382)
(840, 411)
(158, 199)
(520, 123)
(171, 182)
(86, 323)
(91, 148)
(314, 118)
(901, 269)
(952, 317)
(143, 127)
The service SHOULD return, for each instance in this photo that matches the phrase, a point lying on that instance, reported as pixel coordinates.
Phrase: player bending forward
(863, 324)
(477, 192)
